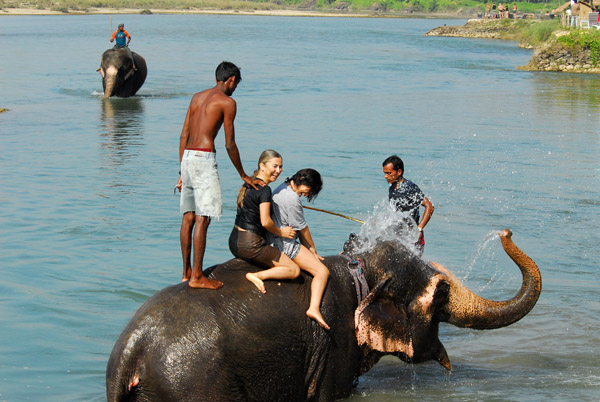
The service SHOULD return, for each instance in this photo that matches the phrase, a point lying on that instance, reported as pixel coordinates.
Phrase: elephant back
(220, 332)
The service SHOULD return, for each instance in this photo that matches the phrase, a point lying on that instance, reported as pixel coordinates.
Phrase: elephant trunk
(467, 309)
(110, 77)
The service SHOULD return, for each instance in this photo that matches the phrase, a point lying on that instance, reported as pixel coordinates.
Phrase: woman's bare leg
(309, 263)
(285, 268)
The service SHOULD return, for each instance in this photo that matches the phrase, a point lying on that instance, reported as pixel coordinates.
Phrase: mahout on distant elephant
(119, 77)
(238, 344)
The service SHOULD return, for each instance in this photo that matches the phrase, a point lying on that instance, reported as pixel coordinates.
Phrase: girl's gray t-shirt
(286, 210)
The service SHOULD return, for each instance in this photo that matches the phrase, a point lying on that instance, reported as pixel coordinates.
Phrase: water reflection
(123, 126)
(567, 93)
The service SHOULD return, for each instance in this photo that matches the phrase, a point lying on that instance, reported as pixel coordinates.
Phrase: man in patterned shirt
(405, 196)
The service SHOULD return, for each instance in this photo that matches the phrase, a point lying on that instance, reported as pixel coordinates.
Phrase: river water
(90, 223)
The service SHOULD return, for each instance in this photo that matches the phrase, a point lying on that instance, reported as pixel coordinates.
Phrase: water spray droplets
(385, 224)
(486, 260)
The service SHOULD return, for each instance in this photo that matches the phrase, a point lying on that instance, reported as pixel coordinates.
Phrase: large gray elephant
(118, 76)
(236, 344)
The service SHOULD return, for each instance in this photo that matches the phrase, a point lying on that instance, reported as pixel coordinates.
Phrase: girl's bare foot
(205, 283)
(316, 315)
(257, 282)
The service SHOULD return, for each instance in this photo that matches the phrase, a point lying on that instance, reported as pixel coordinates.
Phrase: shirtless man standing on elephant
(198, 178)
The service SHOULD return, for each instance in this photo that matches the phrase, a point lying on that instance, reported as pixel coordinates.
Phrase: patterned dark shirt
(406, 198)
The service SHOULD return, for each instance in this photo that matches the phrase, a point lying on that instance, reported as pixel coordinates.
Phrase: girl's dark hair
(265, 156)
(308, 177)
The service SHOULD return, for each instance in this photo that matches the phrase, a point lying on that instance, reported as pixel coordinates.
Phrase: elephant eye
(442, 316)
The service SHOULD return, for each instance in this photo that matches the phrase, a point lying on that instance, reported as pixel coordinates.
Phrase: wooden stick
(334, 213)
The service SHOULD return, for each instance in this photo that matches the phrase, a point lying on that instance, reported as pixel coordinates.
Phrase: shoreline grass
(398, 8)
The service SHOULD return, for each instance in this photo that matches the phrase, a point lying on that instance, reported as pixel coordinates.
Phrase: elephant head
(118, 76)
(409, 298)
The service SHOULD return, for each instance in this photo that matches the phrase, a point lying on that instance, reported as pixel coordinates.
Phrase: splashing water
(486, 260)
(385, 224)
(482, 248)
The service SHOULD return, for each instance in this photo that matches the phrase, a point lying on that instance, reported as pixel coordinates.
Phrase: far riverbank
(554, 48)
(283, 12)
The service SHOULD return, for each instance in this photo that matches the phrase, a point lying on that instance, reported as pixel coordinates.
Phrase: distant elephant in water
(237, 344)
(118, 76)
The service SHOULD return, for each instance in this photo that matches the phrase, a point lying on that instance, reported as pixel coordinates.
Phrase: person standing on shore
(405, 196)
(574, 14)
(198, 178)
(119, 35)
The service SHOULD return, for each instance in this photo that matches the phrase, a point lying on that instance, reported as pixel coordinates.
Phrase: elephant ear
(380, 325)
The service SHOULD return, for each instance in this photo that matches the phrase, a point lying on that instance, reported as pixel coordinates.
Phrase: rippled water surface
(89, 222)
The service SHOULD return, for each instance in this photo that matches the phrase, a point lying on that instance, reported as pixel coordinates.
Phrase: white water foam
(385, 224)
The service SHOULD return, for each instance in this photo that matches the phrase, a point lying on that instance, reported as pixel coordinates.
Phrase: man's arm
(183, 140)
(427, 214)
(113, 36)
(128, 38)
(229, 113)
(185, 131)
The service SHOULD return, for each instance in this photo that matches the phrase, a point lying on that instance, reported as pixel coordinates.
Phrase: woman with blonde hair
(253, 219)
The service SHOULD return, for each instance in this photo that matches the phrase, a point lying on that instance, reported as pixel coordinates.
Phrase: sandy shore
(281, 13)
(285, 13)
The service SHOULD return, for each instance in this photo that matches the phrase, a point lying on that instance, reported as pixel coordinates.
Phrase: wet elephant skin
(118, 76)
(236, 344)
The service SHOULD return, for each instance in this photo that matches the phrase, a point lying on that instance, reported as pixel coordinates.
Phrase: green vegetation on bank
(379, 6)
(548, 36)
(85, 5)
(550, 33)
(581, 41)
(534, 33)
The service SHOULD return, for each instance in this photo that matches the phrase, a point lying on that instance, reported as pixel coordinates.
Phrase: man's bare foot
(318, 318)
(187, 275)
(257, 282)
(205, 283)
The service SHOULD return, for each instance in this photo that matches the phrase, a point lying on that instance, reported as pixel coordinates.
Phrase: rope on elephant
(360, 282)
